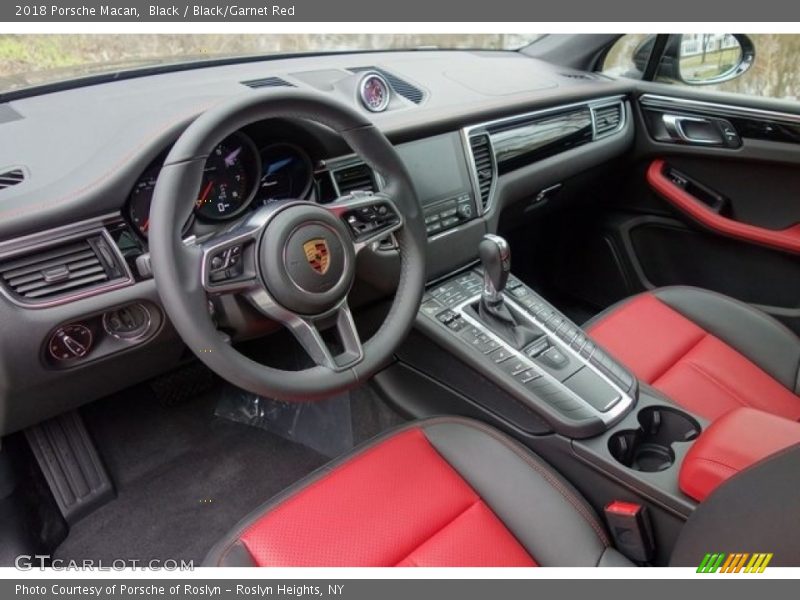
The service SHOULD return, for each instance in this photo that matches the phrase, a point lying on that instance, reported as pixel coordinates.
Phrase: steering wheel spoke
(346, 351)
(331, 339)
(369, 217)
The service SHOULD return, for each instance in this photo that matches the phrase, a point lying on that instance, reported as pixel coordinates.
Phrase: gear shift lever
(495, 258)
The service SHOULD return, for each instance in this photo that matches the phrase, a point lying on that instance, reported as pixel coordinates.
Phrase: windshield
(30, 60)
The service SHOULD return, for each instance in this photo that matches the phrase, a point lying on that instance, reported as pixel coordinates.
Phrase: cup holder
(649, 448)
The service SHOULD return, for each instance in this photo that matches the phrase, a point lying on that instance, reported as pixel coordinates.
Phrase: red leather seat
(707, 352)
(440, 492)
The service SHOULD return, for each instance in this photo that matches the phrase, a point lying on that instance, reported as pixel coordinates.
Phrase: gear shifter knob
(495, 257)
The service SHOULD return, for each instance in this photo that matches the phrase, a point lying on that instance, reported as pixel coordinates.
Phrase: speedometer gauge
(286, 172)
(229, 180)
(374, 92)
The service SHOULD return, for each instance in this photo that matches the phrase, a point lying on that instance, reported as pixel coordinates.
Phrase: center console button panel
(449, 213)
(561, 372)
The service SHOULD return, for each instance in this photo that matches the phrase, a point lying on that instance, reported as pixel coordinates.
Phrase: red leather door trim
(784, 239)
(731, 444)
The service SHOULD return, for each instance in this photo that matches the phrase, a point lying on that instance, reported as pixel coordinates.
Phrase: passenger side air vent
(607, 119)
(400, 86)
(267, 82)
(62, 270)
(356, 178)
(11, 177)
(484, 165)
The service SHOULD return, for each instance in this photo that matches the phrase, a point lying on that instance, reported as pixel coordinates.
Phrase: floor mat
(184, 478)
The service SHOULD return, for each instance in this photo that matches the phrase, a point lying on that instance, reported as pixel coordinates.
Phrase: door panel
(716, 206)
(762, 194)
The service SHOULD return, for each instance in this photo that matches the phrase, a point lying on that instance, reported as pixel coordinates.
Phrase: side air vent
(356, 178)
(11, 177)
(400, 86)
(484, 165)
(267, 82)
(62, 270)
(607, 119)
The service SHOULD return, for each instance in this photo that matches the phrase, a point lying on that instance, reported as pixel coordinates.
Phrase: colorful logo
(739, 562)
(317, 255)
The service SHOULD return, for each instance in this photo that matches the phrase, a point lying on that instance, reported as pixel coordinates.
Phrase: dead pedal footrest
(71, 465)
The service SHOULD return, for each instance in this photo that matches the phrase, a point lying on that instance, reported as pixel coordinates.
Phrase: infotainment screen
(438, 167)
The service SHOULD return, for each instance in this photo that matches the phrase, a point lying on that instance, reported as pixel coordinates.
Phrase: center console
(605, 424)
(527, 347)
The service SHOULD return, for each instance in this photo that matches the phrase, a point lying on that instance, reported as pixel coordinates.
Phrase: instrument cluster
(239, 174)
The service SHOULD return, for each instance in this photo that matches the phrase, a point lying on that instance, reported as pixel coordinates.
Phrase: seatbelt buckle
(629, 525)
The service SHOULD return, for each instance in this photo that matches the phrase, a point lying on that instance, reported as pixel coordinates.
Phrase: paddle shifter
(495, 258)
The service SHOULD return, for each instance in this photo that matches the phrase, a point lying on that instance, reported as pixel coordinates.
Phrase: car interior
(400, 308)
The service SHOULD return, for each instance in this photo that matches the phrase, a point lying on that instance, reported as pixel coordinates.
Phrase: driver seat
(440, 492)
(449, 491)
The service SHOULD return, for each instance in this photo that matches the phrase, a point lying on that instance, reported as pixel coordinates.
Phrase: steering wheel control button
(367, 221)
(226, 265)
(70, 342)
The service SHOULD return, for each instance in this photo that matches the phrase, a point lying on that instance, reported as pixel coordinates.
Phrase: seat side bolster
(757, 336)
(234, 555)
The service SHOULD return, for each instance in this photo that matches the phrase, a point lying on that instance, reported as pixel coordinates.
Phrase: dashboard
(80, 315)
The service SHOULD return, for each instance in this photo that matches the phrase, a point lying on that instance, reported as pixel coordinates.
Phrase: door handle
(676, 126)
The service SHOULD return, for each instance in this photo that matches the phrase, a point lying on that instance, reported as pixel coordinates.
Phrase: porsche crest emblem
(318, 255)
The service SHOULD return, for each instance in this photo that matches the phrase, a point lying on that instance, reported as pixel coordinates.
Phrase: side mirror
(709, 58)
(700, 58)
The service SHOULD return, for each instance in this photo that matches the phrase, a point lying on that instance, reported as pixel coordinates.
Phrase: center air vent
(356, 178)
(484, 166)
(11, 177)
(607, 119)
(400, 86)
(62, 270)
(267, 82)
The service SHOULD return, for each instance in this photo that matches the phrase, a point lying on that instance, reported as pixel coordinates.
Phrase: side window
(757, 65)
(626, 57)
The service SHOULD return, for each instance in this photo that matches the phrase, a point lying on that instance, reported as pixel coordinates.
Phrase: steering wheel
(293, 260)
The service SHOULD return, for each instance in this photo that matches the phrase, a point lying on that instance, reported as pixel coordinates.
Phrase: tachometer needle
(204, 195)
(146, 226)
(230, 160)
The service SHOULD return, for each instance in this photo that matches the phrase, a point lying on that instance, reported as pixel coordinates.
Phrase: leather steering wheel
(293, 260)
